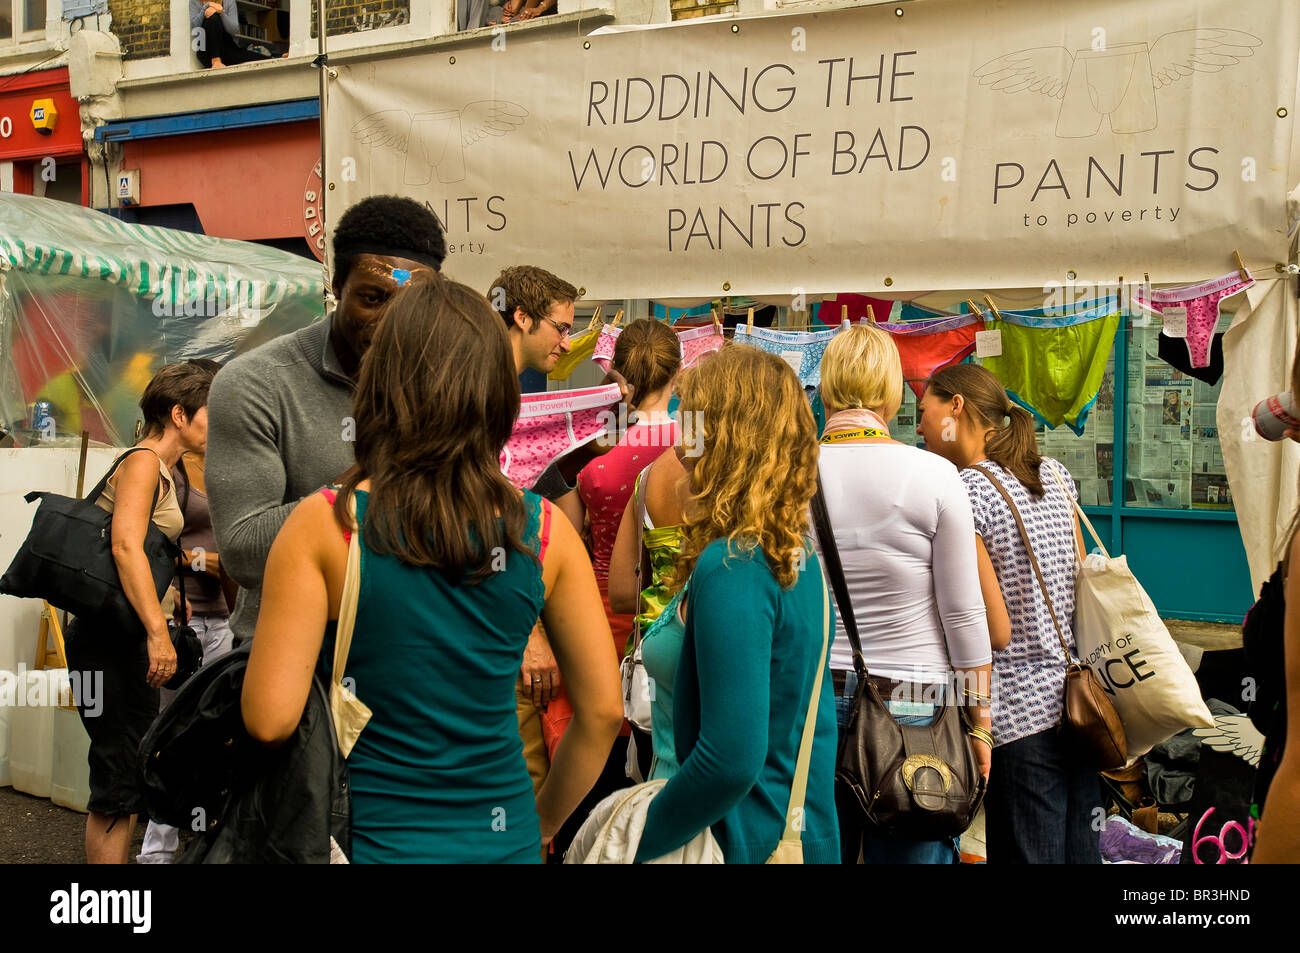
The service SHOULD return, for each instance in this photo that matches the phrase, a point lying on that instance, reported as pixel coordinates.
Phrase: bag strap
(1024, 536)
(1082, 515)
(94, 494)
(794, 811)
(831, 557)
(643, 554)
(348, 603)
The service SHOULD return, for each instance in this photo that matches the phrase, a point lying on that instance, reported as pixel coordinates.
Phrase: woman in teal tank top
(451, 585)
(661, 649)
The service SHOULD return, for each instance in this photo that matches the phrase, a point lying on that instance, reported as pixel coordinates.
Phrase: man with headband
(279, 417)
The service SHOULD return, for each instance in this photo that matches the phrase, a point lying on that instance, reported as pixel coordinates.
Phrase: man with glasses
(537, 308)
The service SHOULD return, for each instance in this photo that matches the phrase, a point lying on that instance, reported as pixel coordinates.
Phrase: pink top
(605, 484)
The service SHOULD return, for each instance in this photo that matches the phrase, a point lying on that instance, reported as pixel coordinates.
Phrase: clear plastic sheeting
(91, 307)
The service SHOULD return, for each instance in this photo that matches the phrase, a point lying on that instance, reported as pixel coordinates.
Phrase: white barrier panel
(70, 771)
(6, 712)
(31, 750)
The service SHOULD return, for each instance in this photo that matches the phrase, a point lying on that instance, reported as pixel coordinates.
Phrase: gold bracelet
(983, 734)
(977, 696)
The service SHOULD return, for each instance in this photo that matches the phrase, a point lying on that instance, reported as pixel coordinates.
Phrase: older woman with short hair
(129, 667)
(904, 530)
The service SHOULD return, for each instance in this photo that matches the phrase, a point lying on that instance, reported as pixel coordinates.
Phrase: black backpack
(249, 804)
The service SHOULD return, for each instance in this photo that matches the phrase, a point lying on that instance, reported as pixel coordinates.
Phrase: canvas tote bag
(1121, 636)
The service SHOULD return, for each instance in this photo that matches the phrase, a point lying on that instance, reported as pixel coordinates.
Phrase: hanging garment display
(551, 424)
(581, 347)
(698, 343)
(802, 350)
(927, 346)
(1052, 364)
(603, 351)
(695, 343)
(1199, 306)
(1173, 351)
(831, 312)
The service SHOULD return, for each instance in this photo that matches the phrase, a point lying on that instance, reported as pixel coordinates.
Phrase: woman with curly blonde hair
(754, 633)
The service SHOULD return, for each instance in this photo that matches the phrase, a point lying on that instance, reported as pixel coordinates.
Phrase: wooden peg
(1241, 265)
(974, 308)
(750, 320)
(994, 308)
(717, 323)
(595, 318)
(844, 313)
(81, 464)
(617, 318)
(871, 314)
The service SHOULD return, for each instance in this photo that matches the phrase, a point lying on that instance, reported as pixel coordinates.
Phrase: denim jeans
(1041, 806)
(856, 832)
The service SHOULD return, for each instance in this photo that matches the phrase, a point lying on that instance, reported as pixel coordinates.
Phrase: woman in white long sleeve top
(903, 526)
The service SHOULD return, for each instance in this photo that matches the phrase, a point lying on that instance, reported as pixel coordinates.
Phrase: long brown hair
(647, 354)
(1012, 443)
(436, 400)
(758, 470)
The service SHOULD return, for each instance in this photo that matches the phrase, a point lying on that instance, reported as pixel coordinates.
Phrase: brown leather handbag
(1090, 726)
(910, 781)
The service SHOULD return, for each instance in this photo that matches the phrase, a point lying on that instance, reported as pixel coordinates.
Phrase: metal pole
(322, 60)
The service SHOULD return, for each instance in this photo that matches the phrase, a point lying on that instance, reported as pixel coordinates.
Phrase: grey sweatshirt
(279, 428)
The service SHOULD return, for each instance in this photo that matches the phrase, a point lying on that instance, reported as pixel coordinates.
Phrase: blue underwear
(807, 346)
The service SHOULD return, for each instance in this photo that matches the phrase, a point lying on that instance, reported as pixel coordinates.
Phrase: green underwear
(1054, 373)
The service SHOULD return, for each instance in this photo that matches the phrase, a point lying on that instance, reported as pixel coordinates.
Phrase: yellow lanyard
(853, 435)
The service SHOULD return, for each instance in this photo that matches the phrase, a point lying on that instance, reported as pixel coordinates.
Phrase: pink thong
(1202, 304)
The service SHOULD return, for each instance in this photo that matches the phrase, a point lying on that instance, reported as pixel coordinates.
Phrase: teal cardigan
(741, 695)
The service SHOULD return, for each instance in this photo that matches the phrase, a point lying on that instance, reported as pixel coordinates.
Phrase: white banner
(960, 145)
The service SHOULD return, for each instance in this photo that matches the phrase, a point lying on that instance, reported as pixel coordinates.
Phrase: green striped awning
(172, 268)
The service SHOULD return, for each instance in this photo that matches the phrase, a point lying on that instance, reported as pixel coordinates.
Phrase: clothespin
(994, 308)
(595, 319)
(717, 324)
(844, 313)
(617, 318)
(750, 319)
(974, 308)
(871, 314)
(1241, 265)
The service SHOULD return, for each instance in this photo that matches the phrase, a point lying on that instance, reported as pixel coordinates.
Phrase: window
(1174, 457)
(34, 16)
(265, 24)
(6, 20)
(349, 16)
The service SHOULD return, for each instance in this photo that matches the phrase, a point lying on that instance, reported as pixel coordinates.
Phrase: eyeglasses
(564, 329)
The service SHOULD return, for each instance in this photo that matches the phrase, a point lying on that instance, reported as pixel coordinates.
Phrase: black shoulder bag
(910, 781)
(67, 558)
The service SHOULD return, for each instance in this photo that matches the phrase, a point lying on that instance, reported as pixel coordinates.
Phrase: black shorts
(121, 708)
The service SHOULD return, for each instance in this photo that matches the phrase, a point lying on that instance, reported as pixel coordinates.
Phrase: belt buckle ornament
(918, 761)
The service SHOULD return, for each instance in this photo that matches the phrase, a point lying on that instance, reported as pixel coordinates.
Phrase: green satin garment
(1054, 372)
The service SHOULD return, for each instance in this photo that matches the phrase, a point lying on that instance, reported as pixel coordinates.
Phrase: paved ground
(35, 831)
